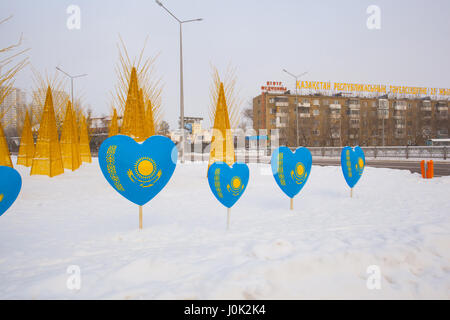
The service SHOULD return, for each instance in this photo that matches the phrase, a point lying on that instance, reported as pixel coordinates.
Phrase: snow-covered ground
(322, 249)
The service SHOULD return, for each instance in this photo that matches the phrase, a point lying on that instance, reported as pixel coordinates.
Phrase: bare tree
(9, 67)
(248, 113)
(242, 125)
(164, 128)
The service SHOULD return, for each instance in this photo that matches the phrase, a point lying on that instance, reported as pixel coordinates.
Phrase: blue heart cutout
(10, 185)
(352, 164)
(228, 184)
(138, 171)
(291, 170)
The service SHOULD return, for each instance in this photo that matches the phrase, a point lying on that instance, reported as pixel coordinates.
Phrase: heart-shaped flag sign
(10, 185)
(291, 170)
(138, 171)
(228, 184)
(352, 164)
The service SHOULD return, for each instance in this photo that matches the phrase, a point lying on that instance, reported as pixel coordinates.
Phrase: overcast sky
(329, 39)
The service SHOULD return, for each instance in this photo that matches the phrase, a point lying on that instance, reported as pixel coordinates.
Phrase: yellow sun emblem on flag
(236, 186)
(145, 172)
(361, 162)
(299, 174)
(360, 166)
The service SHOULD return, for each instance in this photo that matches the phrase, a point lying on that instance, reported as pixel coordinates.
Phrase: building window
(316, 112)
(442, 114)
(442, 132)
(281, 99)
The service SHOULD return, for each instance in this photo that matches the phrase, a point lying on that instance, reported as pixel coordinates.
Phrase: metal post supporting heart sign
(291, 170)
(138, 171)
(352, 164)
(228, 183)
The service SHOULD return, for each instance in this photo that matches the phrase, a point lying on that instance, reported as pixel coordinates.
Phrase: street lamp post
(71, 80)
(296, 99)
(180, 22)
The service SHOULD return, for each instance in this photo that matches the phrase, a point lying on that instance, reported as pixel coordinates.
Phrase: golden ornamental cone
(134, 114)
(222, 145)
(149, 119)
(27, 147)
(114, 126)
(5, 158)
(69, 141)
(47, 158)
(85, 149)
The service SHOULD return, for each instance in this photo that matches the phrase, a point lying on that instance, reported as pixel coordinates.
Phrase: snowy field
(396, 220)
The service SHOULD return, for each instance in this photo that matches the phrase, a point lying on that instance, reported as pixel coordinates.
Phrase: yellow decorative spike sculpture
(222, 145)
(149, 119)
(77, 134)
(141, 106)
(70, 147)
(26, 148)
(134, 114)
(85, 150)
(114, 126)
(47, 158)
(5, 158)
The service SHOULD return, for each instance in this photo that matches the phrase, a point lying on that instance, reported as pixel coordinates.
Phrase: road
(441, 168)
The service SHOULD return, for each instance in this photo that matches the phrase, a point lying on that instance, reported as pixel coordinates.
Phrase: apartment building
(12, 107)
(338, 119)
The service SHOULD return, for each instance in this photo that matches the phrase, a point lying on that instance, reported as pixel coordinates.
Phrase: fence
(397, 152)
(200, 152)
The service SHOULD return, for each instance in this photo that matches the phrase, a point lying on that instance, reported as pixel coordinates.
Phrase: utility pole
(71, 81)
(180, 22)
(296, 99)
